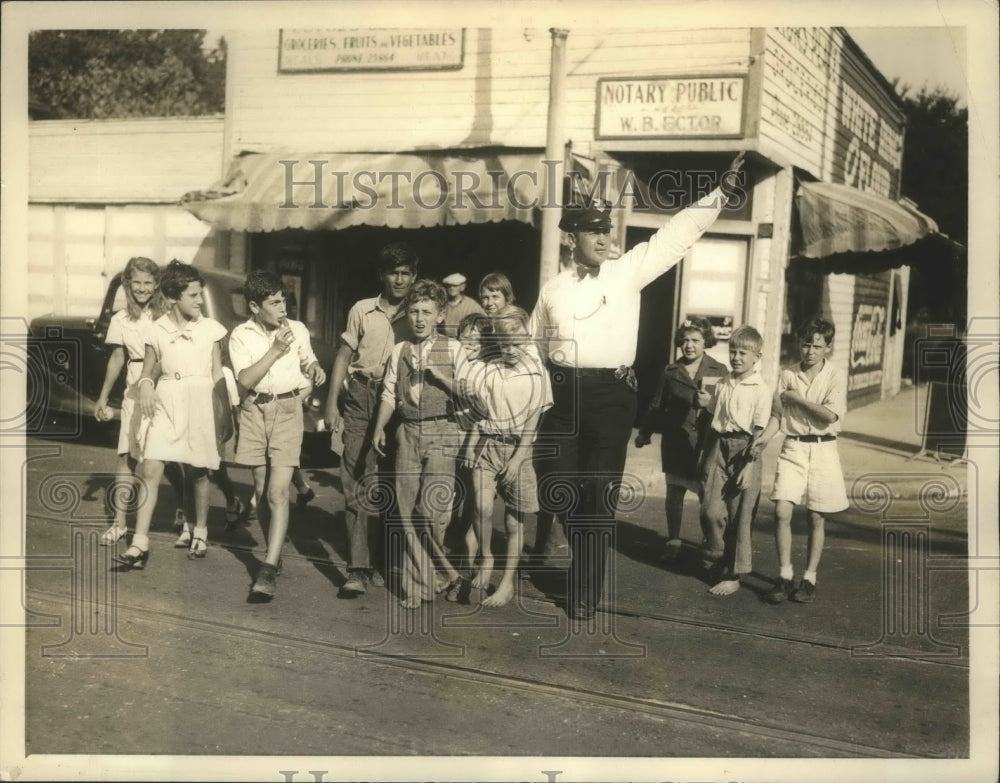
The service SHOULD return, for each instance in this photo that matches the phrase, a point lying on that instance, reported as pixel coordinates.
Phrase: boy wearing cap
(587, 322)
(374, 326)
(272, 358)
(458, 305)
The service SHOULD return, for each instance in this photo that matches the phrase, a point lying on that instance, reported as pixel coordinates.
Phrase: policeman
(586, 322)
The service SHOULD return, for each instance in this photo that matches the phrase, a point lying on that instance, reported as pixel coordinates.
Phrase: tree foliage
(935, 175)
(936, 157)
(99, 74)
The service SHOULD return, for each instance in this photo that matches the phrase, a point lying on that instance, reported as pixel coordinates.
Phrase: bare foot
(725, 587)
(410, 602)
(502, 595)
(481, 581)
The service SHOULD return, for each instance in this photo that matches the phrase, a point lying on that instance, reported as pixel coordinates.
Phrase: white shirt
(828, 388)
(507, 396)
(250, 341)
(741, 405)
(594, 321)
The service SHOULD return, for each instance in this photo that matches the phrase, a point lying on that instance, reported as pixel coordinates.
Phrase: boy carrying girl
(272, 358)
(427, 442)
(809, 407)
(731, 471)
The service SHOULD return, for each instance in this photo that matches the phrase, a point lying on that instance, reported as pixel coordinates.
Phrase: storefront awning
(839, 219)
(270, 192)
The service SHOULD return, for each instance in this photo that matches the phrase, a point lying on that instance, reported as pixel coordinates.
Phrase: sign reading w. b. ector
(370, 50)
(675, 107)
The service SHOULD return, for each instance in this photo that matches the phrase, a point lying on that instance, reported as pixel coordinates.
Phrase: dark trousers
(581, 452)
(359, 474)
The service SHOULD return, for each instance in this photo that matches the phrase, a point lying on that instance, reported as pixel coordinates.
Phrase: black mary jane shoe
(133, 561)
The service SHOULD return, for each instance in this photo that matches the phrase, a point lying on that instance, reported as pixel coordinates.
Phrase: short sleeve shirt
(515, 393)
(185, 350)
(250, 341)
(741, 405)
(372, 331)
(828, 388)
(131, 336)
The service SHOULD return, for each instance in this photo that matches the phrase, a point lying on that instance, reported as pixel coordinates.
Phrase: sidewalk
(877, 444)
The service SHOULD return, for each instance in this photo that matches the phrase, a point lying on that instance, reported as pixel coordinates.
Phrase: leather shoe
(782, 589)
(356, 584)
(264, 584)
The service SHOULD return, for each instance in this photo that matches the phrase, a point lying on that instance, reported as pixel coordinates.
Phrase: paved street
(667, 670)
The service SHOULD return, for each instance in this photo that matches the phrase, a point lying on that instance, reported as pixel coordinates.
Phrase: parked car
(69, 356)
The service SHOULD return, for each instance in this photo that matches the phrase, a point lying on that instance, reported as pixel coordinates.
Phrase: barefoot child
(731, 473)
(273, 359)
(516, 391)
(809, 407)
(184, 362)
(427, 442)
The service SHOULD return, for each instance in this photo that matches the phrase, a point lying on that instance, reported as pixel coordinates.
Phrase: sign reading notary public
(370, 50)
(680, 107)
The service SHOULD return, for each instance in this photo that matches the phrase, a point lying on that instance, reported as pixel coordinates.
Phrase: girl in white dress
(144, 303)
(183, 362)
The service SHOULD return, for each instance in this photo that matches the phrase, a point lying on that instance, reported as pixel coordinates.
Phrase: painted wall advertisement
(869, 136)
(868, 328)
(688, 107)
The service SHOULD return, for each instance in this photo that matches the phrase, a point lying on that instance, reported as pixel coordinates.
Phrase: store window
(713, 284)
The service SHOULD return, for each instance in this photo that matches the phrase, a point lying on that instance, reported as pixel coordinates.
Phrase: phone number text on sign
(706, 106)
(353, 50)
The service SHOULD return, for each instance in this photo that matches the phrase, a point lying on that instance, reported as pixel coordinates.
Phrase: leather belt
(262, 398)
(510, 440)
(814, 438)
(585, 372)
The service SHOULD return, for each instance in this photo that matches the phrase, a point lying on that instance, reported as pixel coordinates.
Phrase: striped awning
(330, 191)
(839, 219)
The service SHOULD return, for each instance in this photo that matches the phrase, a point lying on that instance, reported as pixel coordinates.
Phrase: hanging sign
(682, 107)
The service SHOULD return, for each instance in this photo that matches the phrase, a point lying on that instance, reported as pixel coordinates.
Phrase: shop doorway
(330, 270)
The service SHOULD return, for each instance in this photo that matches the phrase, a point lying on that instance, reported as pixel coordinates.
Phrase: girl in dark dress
(675, 412)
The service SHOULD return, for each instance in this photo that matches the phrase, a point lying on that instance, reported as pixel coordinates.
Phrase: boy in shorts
(273, 359)
(809, 406)
(741, 409)
(515, 391)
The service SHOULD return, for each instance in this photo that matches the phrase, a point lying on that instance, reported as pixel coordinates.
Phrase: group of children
(178, 408)
(716, 423)
(465, 414)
